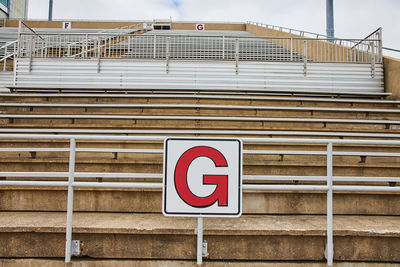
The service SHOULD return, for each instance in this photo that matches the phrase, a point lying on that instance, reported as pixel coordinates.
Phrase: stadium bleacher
(313, 132)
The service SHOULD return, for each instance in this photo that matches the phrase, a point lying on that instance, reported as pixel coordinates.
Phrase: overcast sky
(353, 18)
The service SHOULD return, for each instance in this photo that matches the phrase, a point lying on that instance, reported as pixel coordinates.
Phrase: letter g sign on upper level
(202, 177)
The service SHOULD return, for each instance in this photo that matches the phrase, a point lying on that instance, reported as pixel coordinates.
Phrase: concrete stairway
(113, 223)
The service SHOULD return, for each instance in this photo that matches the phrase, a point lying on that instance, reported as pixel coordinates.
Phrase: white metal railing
(271, 182)
(7, 51)
(191, 47)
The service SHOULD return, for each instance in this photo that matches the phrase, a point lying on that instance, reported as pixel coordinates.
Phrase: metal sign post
(202, 178)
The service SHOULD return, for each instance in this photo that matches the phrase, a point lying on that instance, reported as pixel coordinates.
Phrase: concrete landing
(153, 236)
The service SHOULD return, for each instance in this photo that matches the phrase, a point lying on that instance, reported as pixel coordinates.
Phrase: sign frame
(197, 211)
(200, 27)
(67, 25)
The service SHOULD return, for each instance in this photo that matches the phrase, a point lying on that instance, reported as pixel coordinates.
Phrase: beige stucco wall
(209, 26)
(392, 76)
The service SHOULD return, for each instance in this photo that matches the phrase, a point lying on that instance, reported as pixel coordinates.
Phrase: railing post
(98, 53)
(237, 55)
(291, 49)
(372, 46)
(199, 240)
(305, 57)
(30, 55)
(154, 46)
(379, 33)
(19, 39)
(86, 46)
(329, 205)
(223, 47)
(5, 59)
(70, 200)
(167, 54)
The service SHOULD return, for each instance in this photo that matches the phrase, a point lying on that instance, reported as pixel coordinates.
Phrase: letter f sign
(202, 177)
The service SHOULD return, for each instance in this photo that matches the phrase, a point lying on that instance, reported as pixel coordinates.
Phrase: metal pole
(305, 57)
(167, 51)
(70, 203)
(372, 46)
(199, 240)
(330, 29)
(50, 10)
(329, 205)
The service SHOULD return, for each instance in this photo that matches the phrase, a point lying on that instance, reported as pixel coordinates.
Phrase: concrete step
(149, 201)
(200, 110)
(261, 166)
(181, 263)
(153, 236)
(197, 122)
(200, 99)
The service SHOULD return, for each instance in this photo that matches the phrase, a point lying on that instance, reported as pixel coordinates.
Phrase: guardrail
(7, 51)
(265, 182)
(288, 30)
(189, 47)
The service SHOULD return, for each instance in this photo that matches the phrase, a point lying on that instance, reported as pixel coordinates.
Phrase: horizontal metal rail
(160, 151)
(195, 132)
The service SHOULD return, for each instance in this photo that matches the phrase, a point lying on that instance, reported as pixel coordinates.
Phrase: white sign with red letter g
(202, 177)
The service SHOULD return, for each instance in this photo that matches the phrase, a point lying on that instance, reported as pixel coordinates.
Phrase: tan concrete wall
(75, 24)
(320, 51)
(392, 76)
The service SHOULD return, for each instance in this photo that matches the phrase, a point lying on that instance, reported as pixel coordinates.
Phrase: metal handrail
(328, 188)
(377, 31)
(173, 46)
(29, 28)
(391, 49)
(5, 47)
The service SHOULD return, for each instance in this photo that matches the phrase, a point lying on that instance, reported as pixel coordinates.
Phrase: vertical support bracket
(70, 200)
(329, 205)
(76, 247)
(305, 57)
